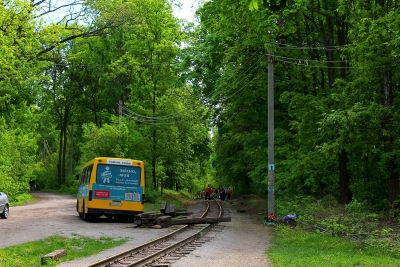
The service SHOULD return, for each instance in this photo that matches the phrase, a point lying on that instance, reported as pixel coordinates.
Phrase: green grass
(30, 254)
(294, 247)
(23, 199)
(178, 198)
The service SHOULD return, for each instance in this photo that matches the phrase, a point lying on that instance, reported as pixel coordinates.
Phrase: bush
(70, 187)
(152, 196)
(354, 221)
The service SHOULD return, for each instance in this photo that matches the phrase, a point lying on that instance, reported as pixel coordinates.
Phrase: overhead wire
(242, 76)
(313, 60)
(166, 117)
(239, 78)
(294, 47)
(234, 74)
(244, 86)
(152, 122)
(315, 66)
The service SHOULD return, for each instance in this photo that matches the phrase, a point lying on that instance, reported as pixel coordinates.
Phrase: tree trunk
(391, 164)
(71, 149)
(154, 154)
(64, 152)
(345, 193)
(60, 149)
(327, 34)
(344, 176)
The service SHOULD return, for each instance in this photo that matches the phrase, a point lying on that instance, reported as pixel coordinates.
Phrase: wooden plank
(163, 206)
(172, 210)
(183, 213)
(153, 215)
(167, 209)
(55, 255)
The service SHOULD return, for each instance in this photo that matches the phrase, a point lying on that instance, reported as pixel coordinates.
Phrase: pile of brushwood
(354, 221)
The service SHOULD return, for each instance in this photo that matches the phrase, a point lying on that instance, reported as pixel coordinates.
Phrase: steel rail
(206, 211)
(129, 251)
(158, 246)
(170, 248)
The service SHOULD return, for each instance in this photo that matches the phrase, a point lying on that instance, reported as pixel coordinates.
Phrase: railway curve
(169, 248)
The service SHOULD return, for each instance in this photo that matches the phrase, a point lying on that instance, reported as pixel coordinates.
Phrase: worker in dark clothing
(208, 192)
(222, 193)
(229, 193)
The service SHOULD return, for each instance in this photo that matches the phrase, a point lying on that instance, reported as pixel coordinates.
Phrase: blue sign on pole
(271, 167)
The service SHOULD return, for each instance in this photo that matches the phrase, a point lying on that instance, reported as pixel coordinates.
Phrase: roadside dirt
(242, 242)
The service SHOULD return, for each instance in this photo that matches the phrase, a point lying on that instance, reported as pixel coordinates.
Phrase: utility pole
(271, 129)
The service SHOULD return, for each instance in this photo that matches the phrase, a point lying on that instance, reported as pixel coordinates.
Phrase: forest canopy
(128, 79)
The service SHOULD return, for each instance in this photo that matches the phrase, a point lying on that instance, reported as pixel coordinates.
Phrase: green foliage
(18, 152)
(152, 196)
(29, 254)
(24, 198)
(329, 234)
(335, 78)
(70, 187)
(355, 223)
(294, 247)
(107, 141)
(178, 198)
(335, 83)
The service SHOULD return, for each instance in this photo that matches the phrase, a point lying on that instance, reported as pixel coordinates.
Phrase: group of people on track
(221, 193)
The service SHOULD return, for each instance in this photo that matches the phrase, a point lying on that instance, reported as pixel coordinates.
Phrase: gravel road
(242, 242)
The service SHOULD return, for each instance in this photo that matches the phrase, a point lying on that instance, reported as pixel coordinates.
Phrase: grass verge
(23, 199)
(178, 198)
(30, 254)
(295, 247)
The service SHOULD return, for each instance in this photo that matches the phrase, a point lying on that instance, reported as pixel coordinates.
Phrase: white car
(4, 206)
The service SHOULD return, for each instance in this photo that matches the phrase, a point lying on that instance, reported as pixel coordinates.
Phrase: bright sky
(187, 11)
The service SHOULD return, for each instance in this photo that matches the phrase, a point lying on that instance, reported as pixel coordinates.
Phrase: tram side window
(88, 173)
(81, 177)
(85, 176)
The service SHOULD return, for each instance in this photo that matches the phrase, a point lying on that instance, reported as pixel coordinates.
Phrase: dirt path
(242, 242)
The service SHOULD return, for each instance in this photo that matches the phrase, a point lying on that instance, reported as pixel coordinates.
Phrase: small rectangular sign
(101, 193)
(271, 167)
(119, 162)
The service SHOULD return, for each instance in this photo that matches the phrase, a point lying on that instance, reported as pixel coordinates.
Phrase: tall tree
(375, 49)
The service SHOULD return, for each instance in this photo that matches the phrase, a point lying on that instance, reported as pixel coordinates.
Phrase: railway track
(169, 248)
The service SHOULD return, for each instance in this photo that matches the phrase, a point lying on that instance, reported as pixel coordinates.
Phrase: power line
(242, 76)
(313, 66)
(156, 119)
(154, 122)
(243, 86)
(144, 117)
(294, 47)
(313, 60)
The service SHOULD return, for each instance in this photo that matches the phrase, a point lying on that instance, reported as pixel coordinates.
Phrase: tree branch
(329, 16)
(54, 9)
